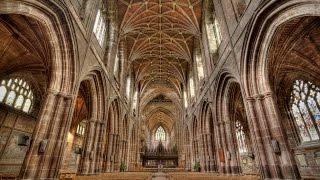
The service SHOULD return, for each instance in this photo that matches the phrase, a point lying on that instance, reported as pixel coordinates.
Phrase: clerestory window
(99, 28)
(214, 36)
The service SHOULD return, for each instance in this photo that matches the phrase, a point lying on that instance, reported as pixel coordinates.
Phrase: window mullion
(311, 115)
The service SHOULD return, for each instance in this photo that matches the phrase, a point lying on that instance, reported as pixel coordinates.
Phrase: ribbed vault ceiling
(159, 37)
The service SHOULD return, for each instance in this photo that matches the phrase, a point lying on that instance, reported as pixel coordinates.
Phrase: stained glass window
(19, 102)
(305, 100)
(241, 138)
(3, 92)
(16, 93)
(160, 134)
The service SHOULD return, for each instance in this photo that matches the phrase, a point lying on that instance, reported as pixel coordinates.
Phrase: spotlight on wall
(23, 140)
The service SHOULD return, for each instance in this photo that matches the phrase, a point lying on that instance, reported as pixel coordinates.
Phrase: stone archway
(232, 116)
(112, 138)
(257, 67)
(207, 138)
(240, 132)
(95, 130)
(63, 73)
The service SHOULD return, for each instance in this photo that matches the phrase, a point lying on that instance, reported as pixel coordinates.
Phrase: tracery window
(191, 86)
(128, 87)
(185, 99)
(305, 106)
(99, 27)
(160, 134)
(214, 36)
(116, 66)
(135, 100)
(81, 128)
(17, 93)
(199, 66)
(241, 138)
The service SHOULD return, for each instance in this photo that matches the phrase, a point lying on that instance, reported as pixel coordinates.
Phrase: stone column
(109, 155)
(201, 152)
(123, 151)
(100, 147)
(257, 140)
(234, 168)
(224, 167)
(210, 152)
(284, 159)
(219, 149)
(44, 158)
(95, 150)
(205, 152)
(193, 154)
(87, 148)
(116, 152)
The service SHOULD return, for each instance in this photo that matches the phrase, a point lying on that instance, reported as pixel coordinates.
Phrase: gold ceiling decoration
(159, 37)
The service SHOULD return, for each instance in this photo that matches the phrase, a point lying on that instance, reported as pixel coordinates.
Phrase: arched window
(242, 146)
(191, 86)
(214, 36)
(199, 66)
(185, 99)
(135, 100)
(160, 134)
(19, 102)
(128, 87)
(305, 106)
(81, 128)
(3, 92)
(16, 93)
(116, 68)
(99, 27)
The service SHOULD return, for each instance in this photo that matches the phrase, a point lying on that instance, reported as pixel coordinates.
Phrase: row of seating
(208, 176)
(119, 176)
(170, 175)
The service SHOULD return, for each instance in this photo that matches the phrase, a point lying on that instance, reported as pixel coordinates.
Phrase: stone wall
(12, 125)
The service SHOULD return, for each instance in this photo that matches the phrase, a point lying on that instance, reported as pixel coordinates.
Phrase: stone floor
(164, 176)
(160, 176)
